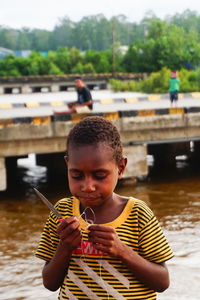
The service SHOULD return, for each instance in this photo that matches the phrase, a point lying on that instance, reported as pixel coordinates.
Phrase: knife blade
(49, 204)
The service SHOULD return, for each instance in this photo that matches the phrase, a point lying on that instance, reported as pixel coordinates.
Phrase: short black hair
(94, 130)
(78, 77)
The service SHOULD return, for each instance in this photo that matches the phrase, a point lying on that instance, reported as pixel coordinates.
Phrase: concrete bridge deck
(20, 136)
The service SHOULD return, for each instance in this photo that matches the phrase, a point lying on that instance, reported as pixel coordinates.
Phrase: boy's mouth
(88, 199)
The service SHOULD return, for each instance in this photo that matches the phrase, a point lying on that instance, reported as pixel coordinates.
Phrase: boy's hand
(105, 238)
(69, 232)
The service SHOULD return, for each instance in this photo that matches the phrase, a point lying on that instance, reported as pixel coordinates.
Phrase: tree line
(92, 32)
(88, 46)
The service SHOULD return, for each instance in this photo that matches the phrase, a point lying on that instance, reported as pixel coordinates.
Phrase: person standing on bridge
(174, 88)
(108, 246)
(84, 102)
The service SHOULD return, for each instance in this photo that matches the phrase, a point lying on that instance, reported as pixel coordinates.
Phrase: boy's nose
(88, 186)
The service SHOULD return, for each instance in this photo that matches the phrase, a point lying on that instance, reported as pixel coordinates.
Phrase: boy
(122, 254)
(174, 88)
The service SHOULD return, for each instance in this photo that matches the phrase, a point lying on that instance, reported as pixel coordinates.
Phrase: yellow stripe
(195, 95)
(57, 103)
(154, 97)
(77, 117)
(32, 104)
(111, 116)
(180, 96)
(128, 100)
(176, 110)
(6, 122)
(106, 101)
(41, 120)
(5, 105)
(144, 113)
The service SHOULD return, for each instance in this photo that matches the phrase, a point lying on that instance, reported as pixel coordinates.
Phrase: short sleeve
(87, 95)
(153, 244)
(49, 240)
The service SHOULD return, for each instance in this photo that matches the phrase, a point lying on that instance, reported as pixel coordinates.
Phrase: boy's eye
(100, 175)
(76, 175)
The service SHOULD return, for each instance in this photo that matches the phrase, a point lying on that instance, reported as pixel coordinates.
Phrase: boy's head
(95, 130)
(173, 74)
(79, 82)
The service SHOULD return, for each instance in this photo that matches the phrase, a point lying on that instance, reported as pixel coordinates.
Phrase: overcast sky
(45, 14)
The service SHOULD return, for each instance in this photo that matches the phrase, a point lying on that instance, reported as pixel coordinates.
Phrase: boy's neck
(107, 213)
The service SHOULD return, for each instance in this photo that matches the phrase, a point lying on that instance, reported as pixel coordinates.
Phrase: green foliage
(88, 68)
(158, 82)
(8, 66)
(188, 81)
(118, 85)
(86, 47)
(95, 32)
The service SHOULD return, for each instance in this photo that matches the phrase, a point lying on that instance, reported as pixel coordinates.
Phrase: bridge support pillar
(1, 90)
(55, 88)
(137, 161)
(195, 155)
(3, 178)
(25, 89)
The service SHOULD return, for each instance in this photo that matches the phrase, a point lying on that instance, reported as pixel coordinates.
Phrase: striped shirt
(94, 275)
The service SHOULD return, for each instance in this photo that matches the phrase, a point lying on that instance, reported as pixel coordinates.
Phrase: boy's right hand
(69, 231)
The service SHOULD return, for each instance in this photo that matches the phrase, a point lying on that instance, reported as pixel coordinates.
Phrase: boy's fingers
(97, 227)
(66, 222)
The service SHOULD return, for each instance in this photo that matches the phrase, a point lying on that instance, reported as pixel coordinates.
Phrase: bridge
(163, 132)
(59, 83)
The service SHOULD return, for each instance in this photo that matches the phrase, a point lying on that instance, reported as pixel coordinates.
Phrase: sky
(45, 14)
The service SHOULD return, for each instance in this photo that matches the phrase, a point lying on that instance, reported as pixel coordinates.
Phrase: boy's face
(93, 173)
(79, 83)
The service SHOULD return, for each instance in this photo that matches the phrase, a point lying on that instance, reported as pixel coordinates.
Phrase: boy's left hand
(105, 239)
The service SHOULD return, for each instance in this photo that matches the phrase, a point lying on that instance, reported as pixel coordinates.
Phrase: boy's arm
(105, 238)
(88, 102)
(55, 270)
(154, 275)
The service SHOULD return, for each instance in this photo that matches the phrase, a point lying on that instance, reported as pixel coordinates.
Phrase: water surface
(174, 196)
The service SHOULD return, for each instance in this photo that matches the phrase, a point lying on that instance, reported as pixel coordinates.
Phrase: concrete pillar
(137, 161)
(195, 155)
(25, 89)
(3, 179)
(55, 88)
(1, 90)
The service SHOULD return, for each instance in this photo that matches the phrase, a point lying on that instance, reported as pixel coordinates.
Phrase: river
(173, 195)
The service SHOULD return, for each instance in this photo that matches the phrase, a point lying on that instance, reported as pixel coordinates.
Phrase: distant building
(22, 53)
(4, 51)
(123, 49)
(17, 53)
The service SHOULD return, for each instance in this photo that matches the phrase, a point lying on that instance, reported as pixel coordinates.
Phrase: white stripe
(114, 272)
(68, 293)
(99, 280)
(82, 286)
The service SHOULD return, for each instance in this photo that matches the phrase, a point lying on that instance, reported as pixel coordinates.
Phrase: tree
(61, 58)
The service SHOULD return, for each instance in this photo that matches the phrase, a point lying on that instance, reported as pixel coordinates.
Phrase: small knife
(50, 205)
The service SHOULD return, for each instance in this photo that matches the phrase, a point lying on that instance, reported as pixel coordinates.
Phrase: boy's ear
(66, 159)
(121, 167)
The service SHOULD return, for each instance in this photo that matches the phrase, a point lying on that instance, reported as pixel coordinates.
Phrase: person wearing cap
(174, 88)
